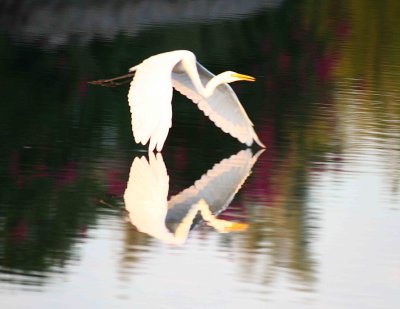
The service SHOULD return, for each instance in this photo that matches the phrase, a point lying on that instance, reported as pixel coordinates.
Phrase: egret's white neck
(189, 63)
(211, 85)
(209, 89)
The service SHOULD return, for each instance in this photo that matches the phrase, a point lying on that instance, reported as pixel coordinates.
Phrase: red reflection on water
(24, 176)
(83, 86)
(324, 66)
(67, 175)
(180, 158)
(283, 61)
(116, 182)
(19, 232)
(343, 29)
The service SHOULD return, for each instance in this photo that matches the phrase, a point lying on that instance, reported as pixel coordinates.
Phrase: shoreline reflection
(150, 211)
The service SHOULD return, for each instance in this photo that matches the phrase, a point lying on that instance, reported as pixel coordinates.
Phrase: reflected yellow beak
(246, 78)
(236, 227)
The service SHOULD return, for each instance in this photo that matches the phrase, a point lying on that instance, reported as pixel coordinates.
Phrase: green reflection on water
(327, 92)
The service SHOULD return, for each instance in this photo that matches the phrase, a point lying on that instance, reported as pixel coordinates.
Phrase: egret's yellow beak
(247, 78)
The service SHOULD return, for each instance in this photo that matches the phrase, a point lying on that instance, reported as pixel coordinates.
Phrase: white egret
(150, 211)
(150, 97)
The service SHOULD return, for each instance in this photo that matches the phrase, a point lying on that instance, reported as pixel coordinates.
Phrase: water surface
(312, 222)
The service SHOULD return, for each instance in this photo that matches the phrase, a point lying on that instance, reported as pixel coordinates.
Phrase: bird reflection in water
(146, 197)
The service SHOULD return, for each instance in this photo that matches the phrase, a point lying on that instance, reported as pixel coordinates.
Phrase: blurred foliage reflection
(327, 90)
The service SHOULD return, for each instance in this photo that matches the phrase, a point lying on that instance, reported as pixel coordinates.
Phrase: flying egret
(150, 97)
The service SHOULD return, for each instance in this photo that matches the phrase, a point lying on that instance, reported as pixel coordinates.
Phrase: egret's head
(230, 77)
(224, 78)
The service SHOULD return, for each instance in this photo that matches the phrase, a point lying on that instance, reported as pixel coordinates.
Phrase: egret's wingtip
(261, 144)
(258, 142)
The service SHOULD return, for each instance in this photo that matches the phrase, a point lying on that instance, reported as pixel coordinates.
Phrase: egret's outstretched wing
(217, 187)
(146, 196)
(150, 96)
(223, 107)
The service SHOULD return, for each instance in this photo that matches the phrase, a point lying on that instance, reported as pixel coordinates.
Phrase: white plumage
(150, 97)
(148, 207)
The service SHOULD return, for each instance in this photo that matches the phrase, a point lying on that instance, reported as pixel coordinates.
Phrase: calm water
(88, 220)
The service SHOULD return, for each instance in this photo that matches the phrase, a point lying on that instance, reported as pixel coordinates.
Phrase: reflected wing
(146, 196)
(223, 107)
(217, 187)
(149, 98)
